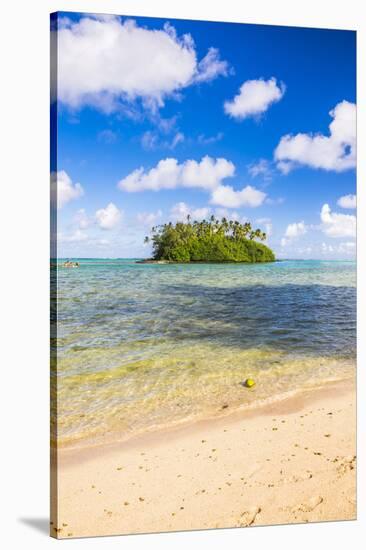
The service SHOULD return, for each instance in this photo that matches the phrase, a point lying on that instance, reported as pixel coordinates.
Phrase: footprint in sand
(309, 505)
(248, 517)
(346, 464)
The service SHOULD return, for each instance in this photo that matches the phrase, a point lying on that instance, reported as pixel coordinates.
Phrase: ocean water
(142, 346)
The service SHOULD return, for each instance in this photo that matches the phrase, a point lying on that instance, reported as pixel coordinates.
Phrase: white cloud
(347, 201)
(169, 174)
(103, 61)
(254, 98)
(261, 168)
(226, 196)
(63, 190)
(334, 152)
(211, 66)
(108, 217)
(149, 218)
(337, 225)
(295, 230)
(178, 138)
(151, 141)
(181, 210)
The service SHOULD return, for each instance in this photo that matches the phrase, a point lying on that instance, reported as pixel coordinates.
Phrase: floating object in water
(248, 383)
(68, 263)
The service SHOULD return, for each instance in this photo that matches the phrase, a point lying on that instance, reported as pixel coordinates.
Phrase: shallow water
(140, 345)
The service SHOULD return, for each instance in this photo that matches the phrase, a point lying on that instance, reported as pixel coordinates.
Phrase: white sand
(288, 463)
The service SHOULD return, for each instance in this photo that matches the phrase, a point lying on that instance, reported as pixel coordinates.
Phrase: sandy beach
(289, 462)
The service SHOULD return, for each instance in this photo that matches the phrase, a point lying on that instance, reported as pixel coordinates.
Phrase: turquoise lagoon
(142, 346)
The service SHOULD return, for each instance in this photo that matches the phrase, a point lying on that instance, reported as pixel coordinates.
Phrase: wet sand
(289, 462)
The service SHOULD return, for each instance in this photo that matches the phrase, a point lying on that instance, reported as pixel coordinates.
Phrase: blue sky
(157, 119)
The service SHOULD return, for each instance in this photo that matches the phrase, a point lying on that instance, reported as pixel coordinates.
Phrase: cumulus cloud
(337, 151)
(169, 174)
(181, 210)
(206, 174)
(103, 61)
(254, 98)
(226, 196)
(347, 201)
(295, 230)
(337, 225)
(108, 217)
(63, 190)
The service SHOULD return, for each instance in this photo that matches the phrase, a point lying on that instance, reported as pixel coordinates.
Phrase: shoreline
(288, 462)
(285, 401)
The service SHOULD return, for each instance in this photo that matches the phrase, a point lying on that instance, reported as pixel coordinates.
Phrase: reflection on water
(143, 345)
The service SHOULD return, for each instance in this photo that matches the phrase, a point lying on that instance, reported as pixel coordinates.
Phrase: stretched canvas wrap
(203, 275)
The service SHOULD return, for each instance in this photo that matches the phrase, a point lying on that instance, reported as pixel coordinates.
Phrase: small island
(208, 241)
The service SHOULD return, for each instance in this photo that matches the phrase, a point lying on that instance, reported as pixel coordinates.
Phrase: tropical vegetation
(210, 240)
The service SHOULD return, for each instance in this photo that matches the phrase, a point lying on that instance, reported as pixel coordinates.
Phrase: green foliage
(209, 241)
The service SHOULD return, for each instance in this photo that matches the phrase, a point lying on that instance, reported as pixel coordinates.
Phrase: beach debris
(225, 406)
(248, 517)
(248, 383)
